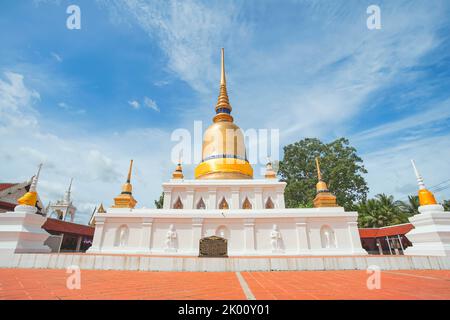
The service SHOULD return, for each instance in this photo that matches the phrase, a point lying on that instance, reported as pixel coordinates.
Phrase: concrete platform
(233, 264)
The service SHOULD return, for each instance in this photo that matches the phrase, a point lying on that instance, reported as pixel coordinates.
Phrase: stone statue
(327, 239)
(123, 237)
(171, 238)
(275, 237)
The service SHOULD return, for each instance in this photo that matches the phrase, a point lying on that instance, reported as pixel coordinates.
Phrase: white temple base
(431, 233)
(312, 231)
(21, 232)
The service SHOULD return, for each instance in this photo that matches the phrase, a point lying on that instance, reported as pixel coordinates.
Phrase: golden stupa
(324, 198)
(125, 198)
(223, 151)
(30, 198)
(426, 197)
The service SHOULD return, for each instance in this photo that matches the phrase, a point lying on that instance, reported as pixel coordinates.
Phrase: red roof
(4, 186)
(385, 231)
(7, 205)
(55, 225)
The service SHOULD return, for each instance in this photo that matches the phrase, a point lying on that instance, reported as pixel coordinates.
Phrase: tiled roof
(59, 226)
(385, 231)
(4, 186)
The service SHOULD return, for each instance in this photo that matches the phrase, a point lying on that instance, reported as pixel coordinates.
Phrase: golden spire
(223, 107)
(125, 199)
(321, 186)
(426, 197)
(323, 198)
(30, 198)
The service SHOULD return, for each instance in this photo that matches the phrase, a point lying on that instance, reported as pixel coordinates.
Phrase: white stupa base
(312, 231)
(21, 232)
(431, 233)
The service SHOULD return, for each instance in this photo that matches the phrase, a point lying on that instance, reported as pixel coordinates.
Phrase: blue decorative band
(226, 156)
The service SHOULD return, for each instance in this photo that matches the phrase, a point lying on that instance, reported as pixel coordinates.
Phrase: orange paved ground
(51, 284)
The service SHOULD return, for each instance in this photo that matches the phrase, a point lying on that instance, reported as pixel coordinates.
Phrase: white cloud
(57, 57)
(151, 104)
(134, 104)
(98, 162)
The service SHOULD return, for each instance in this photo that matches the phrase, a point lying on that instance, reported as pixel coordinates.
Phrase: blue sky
(86, 101)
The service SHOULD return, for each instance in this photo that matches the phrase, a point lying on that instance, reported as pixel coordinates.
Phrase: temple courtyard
(35, 284)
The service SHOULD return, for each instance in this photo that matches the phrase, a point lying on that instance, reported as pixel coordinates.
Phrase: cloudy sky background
(86, 101)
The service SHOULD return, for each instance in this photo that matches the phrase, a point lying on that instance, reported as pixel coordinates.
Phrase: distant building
(390, 240)
(66, 236)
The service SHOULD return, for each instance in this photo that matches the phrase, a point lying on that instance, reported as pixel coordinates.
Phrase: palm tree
(446, 205)
(411, 207)
(379, 212)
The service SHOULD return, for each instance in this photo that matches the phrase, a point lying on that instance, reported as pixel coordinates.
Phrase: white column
(146, 235)
(302, 237)
(167, 199)
(355, 240)
(258, 199)
(189, 199)
(212, 199)
(235, 198)
(280, 199)
(97, 242)
(249, 236)
(197, 226)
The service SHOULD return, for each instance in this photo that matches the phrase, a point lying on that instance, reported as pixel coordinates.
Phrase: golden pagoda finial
(270, 174)
(30, 198)
(125, 198)
(129, 171)
(223, 107)
(324, 198)
(321, 186)
(426, 197)
(178, 173)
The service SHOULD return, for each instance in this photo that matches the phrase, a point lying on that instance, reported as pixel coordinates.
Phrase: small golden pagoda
(223, 150)
(125, 198)
(270, 174)
(324, 198)
(30, 198)
(178, 173)
(426, 197)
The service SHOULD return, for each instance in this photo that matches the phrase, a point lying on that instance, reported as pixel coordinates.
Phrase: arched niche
(246, 204)
(223, 232)
(122, 234)
(201, 204)
(178, 204)
(327, 237)
(269, 203)
(223, 204)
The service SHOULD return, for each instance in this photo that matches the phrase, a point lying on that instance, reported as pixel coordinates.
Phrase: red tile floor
(51, 284)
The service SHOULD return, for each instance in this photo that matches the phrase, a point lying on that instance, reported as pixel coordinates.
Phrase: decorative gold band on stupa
(223, 107)
(324, 198)
(125, 198)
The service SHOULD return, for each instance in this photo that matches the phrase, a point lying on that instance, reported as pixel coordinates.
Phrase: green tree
(446, 205)
(341, 168)
(160, 202)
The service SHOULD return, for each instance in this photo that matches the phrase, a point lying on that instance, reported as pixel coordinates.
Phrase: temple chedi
(224, 210)
(223, 152)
